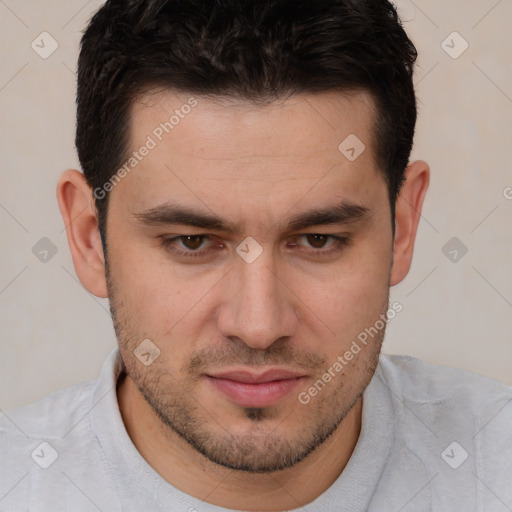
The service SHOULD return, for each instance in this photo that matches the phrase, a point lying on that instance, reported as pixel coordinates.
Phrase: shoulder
(446, 396)
(418, 381)
(48, 445)
(455, 426)
(452, 409)
(447, 401)
(63, 412)
(51, 417)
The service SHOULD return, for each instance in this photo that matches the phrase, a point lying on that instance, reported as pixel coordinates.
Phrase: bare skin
(295, 308)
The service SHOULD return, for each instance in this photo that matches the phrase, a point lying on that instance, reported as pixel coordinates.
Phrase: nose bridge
(258, 284)
(259, 310)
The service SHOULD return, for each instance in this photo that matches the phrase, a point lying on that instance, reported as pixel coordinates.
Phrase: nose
(258, 307)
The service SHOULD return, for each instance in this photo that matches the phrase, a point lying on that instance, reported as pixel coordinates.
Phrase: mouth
(250, 389)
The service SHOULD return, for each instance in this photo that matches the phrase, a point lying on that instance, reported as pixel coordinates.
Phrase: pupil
(196, 238)
(317, 238)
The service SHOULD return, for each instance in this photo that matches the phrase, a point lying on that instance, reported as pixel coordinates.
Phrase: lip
(250, 389)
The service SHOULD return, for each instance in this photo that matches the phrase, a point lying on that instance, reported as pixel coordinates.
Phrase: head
(247, 166)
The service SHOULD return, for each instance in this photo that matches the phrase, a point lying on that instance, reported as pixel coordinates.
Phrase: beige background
(54, 333)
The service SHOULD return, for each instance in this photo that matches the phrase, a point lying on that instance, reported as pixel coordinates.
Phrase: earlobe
(78, 212)
(407, 217)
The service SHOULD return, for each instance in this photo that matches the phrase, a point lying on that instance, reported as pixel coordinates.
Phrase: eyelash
(340, 242)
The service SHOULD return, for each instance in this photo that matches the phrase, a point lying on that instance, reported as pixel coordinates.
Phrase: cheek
(165, 300)
(158, 299)
(351, 296)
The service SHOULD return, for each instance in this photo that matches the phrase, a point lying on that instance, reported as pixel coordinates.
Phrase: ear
(76, 204)
(407, 217)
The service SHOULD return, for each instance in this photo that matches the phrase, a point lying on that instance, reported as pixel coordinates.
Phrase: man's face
(246, 327)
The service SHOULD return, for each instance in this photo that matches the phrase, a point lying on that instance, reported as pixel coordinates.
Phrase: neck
(189, 471)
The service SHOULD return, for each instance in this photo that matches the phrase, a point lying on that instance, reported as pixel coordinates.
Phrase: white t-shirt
(432, 439)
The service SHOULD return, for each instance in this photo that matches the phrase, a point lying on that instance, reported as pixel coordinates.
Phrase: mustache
(279, 353)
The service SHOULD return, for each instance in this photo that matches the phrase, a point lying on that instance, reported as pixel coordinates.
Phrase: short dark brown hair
(257, 50)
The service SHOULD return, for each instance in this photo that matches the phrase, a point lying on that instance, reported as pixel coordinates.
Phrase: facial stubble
(265, 448)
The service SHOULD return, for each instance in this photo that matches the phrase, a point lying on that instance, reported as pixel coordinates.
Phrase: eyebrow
(345, 212)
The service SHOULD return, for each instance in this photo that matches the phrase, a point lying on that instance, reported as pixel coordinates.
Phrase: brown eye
(188, 245)
(192, 242)
(319, 244)
(317, 241)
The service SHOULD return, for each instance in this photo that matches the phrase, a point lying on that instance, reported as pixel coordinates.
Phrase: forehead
(219, 146)
(303, 124)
